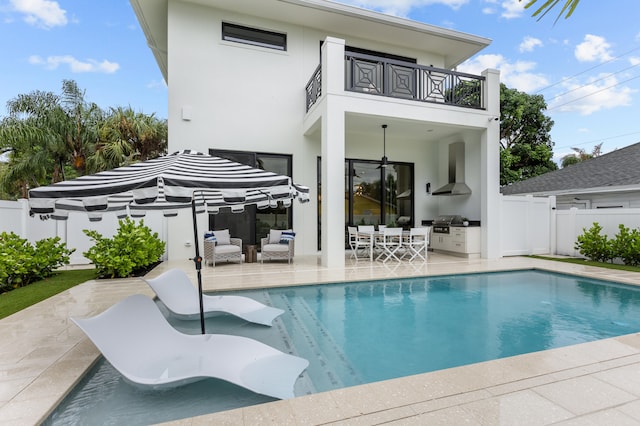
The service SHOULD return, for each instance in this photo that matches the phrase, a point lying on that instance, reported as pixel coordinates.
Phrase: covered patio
(43, 355)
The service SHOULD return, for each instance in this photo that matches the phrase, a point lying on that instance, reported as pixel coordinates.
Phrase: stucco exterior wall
(231, 96)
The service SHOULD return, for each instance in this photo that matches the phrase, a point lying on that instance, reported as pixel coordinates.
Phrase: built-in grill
(442, 224)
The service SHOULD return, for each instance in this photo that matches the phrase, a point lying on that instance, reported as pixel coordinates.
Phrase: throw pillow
(222, 237)
(210, 236)
(287, 236)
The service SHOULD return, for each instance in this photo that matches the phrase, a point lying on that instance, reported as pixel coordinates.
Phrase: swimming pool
(368, 331)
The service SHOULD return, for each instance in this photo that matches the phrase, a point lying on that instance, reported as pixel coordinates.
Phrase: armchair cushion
(222, 237)
(276, 234)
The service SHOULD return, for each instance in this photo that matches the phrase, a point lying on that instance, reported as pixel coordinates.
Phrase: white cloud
(529, 43)
(517, 75)
(512, 9)
(634, 60)
(401, 7)
(490, 8)
(598, 93)
(41, 13)
(156, 84)
(593, 48)
(76, 66)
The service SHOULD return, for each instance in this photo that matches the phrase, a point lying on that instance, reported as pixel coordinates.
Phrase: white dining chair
(366, 237)
(360, 243)
(417, 243)
(390, 244)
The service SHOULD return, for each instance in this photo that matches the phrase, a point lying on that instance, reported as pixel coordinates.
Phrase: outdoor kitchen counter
(461, 241)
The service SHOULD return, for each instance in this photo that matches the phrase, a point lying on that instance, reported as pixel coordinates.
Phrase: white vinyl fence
(532, 225)
(572, 223)
(528, 225)
(14, 217)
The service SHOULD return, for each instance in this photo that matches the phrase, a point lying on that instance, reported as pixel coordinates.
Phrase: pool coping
(44, 355)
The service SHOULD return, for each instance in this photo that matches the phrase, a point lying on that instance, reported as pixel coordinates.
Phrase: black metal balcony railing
(405, 80)
(314, 87)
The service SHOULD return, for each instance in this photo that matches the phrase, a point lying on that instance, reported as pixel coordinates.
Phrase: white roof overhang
(332, 18)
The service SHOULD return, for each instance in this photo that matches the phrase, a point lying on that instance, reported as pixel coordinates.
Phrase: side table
(250, 254)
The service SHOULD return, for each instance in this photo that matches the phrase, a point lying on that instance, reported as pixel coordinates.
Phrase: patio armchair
(220, 247)
(278, 245)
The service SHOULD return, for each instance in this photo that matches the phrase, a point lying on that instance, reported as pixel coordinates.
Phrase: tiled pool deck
(43, 354)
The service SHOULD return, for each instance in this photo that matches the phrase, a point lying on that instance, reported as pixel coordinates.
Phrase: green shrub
(133, 248)
(595, 246)
(626, 245)
(21, 263)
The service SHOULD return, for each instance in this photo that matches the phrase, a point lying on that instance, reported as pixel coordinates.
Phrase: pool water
(362, 332)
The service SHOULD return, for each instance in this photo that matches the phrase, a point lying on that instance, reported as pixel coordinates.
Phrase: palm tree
(29, 132)
(50, 131)
(53, 137)
(80, 129)
(126, 136)
(580, 155)
(567, 9)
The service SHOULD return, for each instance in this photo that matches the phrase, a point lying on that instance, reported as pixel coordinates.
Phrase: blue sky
(587, 67)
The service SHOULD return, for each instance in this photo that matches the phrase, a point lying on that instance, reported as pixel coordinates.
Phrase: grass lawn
(23, 297)
(578, 261)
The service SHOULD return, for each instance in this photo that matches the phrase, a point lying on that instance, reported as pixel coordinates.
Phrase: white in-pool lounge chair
(180, 296)
(137, 340)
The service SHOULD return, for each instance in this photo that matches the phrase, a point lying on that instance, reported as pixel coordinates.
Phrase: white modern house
(322, 92)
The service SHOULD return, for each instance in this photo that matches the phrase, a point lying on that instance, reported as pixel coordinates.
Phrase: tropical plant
(580, 155)
(126, 136)
(46, 133)
(568, 8)
(626, 245)
(57, 137)
(35, 148)
(595, 246)
(133, 248)
(21, 262)
(81, 131)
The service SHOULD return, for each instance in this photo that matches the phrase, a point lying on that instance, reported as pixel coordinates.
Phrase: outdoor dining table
(376, 236)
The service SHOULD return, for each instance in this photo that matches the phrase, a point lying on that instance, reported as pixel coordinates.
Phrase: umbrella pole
(198, 261)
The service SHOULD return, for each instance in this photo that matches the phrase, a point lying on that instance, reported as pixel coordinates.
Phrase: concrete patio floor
(43, 355)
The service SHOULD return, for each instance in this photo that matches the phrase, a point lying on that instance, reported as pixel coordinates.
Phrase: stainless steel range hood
(456, 185)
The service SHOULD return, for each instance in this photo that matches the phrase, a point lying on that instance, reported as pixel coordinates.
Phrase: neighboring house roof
(332, 18)
(610, 171)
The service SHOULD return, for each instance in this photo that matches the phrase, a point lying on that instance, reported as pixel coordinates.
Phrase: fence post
(553, 225)
(573, 220)
(24, 218)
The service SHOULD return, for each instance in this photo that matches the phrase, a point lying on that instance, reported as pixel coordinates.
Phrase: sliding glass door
(377, 194)
(254, 224)
(374, 194)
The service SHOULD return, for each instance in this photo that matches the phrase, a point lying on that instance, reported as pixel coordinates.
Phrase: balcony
(404, 80)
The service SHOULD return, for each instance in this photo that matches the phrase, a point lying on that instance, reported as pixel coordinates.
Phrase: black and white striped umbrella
(184, 179)
(168, 183)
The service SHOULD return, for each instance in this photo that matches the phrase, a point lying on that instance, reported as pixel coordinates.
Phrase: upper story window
(253, 36)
